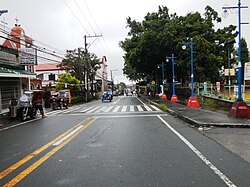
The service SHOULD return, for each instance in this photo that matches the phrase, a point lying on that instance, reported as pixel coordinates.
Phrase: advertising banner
(27, 56)
(8, 58)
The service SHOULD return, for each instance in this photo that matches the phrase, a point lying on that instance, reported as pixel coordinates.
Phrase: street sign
(232, 72)
(247, 71)
(152, 82)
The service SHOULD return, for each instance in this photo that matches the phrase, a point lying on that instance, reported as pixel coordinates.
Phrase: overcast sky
(63, 23)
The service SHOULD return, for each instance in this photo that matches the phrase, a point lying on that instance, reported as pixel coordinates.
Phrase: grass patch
(162, 107)
(210, 103)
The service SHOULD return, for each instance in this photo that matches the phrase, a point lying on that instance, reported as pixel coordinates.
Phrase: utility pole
(86, 69)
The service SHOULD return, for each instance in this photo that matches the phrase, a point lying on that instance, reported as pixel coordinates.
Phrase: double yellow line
(32, 167)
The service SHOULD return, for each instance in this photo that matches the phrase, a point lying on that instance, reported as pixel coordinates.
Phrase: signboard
(8, 58)
(247, 71)
(232, 72)
(27, 56)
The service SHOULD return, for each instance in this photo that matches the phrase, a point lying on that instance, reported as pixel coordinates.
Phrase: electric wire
(76, 17)
(41, 48)
(84, 17)
(96, 26)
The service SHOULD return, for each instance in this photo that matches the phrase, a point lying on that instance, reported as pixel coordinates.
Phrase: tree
(82, 65)
(67, 81)
(161, 34)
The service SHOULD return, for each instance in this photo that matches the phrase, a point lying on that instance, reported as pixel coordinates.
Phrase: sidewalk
(199, 116)
(6, 121)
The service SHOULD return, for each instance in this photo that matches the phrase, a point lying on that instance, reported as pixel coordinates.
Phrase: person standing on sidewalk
(37, 102)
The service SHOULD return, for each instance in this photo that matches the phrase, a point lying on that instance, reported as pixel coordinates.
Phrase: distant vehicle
(129, 92)
(107, 96)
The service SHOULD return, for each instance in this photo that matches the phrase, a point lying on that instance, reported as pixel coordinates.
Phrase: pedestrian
(37, 102)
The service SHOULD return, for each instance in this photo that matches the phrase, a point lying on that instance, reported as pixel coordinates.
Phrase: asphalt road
(119, 143)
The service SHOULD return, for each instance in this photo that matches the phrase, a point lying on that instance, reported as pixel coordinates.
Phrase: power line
(84, 16)
(97, 28)
(75, 16)
(36, 41)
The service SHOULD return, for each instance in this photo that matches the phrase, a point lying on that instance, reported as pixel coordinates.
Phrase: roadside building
(48, 74)
(14, 77)
(101, 76)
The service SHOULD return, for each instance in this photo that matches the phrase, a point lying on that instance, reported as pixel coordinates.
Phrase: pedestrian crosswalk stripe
(101, 109)
(71, 110)
(147, 108)
(124, 108)
(108, 109)
(139, 108)
(116, 109)
(94, 109)
(132, 108)
(86, 109)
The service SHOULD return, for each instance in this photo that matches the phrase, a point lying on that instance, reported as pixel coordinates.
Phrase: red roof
(47, 67)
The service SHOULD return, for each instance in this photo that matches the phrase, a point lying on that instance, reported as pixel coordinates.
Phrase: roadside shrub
(162, 107)
(210, 103)
(76, 99)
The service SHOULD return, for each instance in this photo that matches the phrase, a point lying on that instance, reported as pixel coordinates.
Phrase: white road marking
(132, 108)
(71, 110)
(132, 116)
(93, 109)
(200, 155)
(147, 108)
(67, 136)
(124, 108)
(108, 109)
(101, 109)
(116, 109)
(140, 101)
(139, 108)
(154, 107)
(86, 109)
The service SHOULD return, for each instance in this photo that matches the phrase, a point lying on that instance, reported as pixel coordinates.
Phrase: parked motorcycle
(60, 99)
(23, 107)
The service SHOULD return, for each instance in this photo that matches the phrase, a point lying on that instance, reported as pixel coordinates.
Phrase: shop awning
(6, 72)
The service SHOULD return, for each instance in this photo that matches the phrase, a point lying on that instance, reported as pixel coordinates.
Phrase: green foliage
(162, 107)
(78, 61)
(77, 99)
(72, 83)
(161, 34)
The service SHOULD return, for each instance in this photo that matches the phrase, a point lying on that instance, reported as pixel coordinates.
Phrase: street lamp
(239, 108)
(174, 98)
(192, 101)
(164, 96)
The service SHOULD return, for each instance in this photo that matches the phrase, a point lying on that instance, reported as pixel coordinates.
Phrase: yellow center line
(38, 151)
(31, 168)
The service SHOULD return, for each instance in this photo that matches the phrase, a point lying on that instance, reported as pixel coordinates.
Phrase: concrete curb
(197, 123)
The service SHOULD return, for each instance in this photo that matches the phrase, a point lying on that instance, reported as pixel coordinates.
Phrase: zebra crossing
(109, 109)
